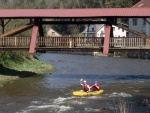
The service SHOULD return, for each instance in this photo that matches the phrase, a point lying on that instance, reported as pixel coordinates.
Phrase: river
(126, 83)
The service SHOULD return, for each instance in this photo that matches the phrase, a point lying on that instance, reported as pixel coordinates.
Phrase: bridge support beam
(33, 39)
(106, 40)
(41, 32)
(3, 26)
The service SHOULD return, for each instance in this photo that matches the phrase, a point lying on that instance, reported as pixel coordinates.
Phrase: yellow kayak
(83, 93)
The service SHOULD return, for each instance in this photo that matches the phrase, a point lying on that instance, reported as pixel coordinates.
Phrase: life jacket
(96, 88)
(85, 88)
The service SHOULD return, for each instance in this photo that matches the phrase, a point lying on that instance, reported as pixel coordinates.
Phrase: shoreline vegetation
(16, 65)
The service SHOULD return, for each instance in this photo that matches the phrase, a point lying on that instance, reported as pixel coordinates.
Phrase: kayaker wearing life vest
(95, 86)
(86, 87)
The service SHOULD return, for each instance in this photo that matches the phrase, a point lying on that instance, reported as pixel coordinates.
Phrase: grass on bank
(14, 65)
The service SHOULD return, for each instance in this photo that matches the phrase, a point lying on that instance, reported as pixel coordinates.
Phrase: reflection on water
(125, 82)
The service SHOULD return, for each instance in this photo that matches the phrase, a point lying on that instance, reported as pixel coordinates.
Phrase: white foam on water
(136, 91)
(62, 100)
(40, 107)
(36, 102)
(53, 108)
(69, 100)
(57, 105)
(64, 108)
(92, 110)
(141, 81)
(77, 102)
(94, 97)
(10, 104)
(122, 94)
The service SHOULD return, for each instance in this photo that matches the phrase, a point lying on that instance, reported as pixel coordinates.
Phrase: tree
(61, 5)
(43, 4)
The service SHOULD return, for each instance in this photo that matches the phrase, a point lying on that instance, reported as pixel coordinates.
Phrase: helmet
(84, 81)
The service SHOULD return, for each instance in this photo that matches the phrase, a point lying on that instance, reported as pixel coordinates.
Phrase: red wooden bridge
(73, 16)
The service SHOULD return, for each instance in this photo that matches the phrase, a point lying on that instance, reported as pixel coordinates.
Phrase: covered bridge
(68, 16)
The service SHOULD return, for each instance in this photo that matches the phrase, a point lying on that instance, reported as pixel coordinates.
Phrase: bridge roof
(75, 13)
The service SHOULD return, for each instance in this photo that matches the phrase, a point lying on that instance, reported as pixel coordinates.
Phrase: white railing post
(15, 41)
(70, 42)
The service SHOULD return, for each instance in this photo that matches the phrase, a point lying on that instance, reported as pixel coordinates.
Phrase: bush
(8, 58)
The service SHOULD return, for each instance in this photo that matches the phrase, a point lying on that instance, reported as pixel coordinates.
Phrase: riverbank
(23, 69)
(136, 55)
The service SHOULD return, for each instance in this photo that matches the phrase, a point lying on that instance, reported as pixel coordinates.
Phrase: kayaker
(86, 87)
(95, 86)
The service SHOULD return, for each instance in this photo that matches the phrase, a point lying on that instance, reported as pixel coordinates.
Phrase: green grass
(14, 67)
(38, 67)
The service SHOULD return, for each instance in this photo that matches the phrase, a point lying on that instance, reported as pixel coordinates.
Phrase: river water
(126, 83)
